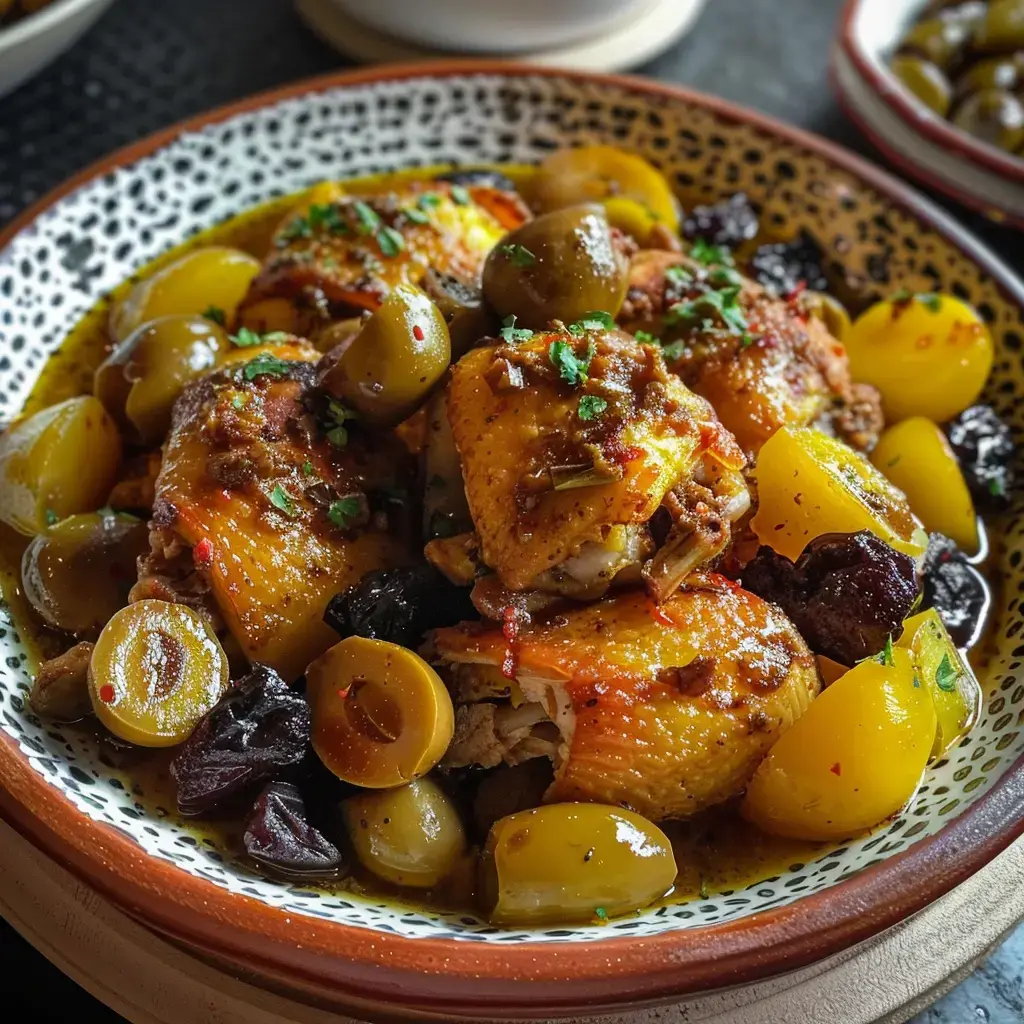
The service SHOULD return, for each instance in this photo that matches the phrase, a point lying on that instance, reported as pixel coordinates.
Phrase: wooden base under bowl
(150, 980)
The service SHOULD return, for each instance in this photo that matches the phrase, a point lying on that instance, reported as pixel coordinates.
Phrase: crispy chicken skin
(666, 709)
(338, 263)
(792, 372)
(241, 516)
(562, 502)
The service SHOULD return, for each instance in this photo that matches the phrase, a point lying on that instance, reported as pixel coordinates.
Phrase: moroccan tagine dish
(553, 537)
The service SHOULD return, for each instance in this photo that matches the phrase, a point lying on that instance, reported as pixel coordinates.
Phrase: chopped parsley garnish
(338, 434)
(996, 488)
(591, 406)
(678, 276)
(367, 219)
(416, 215)
(709, 255)
(460, 195)
(600, 913)
(723, 302)
(216, 314)
(646, 338)
(518, 255)
(887, 657)
(901, 296)
(721, 276)
(930, 301)
(510, 334)
(429, 200)
(298, 227)
(265, 365)
(246, 338)
(673, 350)
(307, 468)
(390, 241)
(239, 401)
(946, 675)
(51, 517)
(282, 500)
(571, 368)
(328, 217)
(343, 511)
(595, 320)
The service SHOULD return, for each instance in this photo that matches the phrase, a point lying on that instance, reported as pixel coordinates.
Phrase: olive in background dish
(995, 116)
(1001, 29)
(926, 81)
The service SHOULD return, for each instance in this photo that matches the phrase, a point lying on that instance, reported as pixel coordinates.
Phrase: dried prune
(984, 445)
(846, 592)
(258, 731)
(730, 222)
(486, 177)
(783, 266)
(280, 837)
(399, 605)
(955, 589)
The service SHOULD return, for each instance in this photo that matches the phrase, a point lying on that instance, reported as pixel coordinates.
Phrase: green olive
(140, 380)
(990, 73)
(559, 266)
(574, 862)
(60, 461)
(994, 115)
(1002, 28)
(925, 81)
(78, 572)
(409, 836)
(386, 372)
(941, 40)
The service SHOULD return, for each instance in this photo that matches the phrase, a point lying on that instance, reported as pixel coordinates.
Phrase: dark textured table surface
(148, 63)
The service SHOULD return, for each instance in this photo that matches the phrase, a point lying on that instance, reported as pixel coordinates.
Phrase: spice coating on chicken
(570, 443)
(666, 710)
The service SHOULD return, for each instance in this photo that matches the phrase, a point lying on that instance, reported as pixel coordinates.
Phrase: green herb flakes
(327, 217)
(282, 500)
(595, 320)
(678, 277)
(946, 675)
(601, 914)
(887, 657)
(266, 366)
(510, 334)
(51, 517)
(216, 314)
(307, 468)
(246, 338)
(646, 338)
(239, 401)
(416, 215)
(390, 241)
(591, 406)
(428, 200)
(571, 368)
(460, 195)
(298, 227)
(367, 219)
(518, 255)
(343, 511)
(710, 255)
(724, 302)
(997, 488)
(931, 302)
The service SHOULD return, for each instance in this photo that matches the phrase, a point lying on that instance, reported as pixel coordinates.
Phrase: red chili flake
(798, 290)
(343, 694)
(107, 694)
(417, 333)
(718, 580)
(836, 769)
(202, 553)
(660, 617)
(619, 455)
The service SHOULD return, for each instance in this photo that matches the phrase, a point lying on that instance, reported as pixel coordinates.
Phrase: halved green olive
(925, 81)
(1001, 29)
(381, 715)
(409, 836)
(559, 266)
(994, 115)
(157, 668)
(140, 380)
(387, 370)
(941, 40)
(211, 280)
(78, 572)
(58, 462)
(574, 862)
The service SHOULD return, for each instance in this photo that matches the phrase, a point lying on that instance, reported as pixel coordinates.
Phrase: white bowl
(29, 45)
(492, 26)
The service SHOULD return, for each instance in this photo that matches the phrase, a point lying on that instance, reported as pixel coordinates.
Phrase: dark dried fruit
(783, 266)
(730, 222)
(984, 445)
(485, 177)
(258, 731)
(955, 589)
(846, 593)
(399, 605)
(279, 837)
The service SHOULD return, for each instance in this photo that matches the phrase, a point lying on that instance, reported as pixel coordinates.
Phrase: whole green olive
(387, 370)
(409, 836)
(1003, 72)
(79, 571)
(574, 862)
(140, 380)
(994, 115)
(925, 81)
(559, 266)
(1001, 30)
(941, 40)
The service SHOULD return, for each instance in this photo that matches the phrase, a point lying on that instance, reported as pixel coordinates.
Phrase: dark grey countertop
(148, 63)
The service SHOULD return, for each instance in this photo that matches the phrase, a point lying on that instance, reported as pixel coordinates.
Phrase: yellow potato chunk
(928, 355)
(810, 484)
(853, 759)
(915, 456)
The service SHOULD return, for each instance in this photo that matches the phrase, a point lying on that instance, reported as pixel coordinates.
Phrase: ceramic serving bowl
(346, 951)
(923, 145)
(31, 43)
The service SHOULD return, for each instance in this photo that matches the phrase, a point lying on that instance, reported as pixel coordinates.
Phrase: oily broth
(716, 852)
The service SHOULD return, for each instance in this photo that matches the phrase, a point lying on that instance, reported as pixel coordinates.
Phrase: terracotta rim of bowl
(462, 979)
(917, 117)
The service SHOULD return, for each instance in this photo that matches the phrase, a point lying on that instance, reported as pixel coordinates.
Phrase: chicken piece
(335, 258)
(784, 369)
(60, 689)
(564, 476)
(272, 518)
(667, 710)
